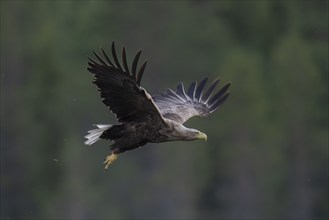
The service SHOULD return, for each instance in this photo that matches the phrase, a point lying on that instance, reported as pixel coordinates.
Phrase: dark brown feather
(120, 91)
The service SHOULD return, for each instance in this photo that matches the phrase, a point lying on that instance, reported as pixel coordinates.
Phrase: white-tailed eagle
(144, 118)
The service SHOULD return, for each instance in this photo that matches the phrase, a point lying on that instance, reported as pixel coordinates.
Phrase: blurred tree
(267, 153)
(295, 121)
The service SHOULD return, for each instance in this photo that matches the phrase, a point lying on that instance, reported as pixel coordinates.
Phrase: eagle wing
(180, 106)
(120, 88)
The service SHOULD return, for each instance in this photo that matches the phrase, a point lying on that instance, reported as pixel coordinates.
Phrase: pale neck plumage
(180, 132)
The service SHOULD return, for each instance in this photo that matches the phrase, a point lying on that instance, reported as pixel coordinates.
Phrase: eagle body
(132, 135)
(144, 118)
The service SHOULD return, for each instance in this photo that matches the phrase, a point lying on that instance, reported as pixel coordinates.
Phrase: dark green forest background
(267, 151)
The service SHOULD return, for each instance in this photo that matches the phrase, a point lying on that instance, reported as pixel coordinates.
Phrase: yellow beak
(202, 136)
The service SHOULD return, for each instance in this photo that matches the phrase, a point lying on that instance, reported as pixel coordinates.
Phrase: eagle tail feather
(94, 134)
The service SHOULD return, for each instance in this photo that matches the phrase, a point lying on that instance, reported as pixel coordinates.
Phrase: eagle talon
(110, 159)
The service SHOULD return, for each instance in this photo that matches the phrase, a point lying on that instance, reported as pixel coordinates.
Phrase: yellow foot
(110, 159)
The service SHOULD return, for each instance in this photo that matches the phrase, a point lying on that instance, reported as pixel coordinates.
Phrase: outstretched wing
(120, 88)
(180, 106)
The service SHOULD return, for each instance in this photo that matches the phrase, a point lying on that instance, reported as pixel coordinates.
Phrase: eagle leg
(110, 159)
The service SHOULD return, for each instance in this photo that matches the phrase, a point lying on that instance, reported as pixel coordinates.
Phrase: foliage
(267, 149)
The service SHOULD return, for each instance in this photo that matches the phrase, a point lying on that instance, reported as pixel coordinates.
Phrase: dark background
(267, 151)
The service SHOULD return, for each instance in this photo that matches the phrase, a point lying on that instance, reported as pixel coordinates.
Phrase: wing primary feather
(100, 59)
(174, 95)
(124, 60)
(168, 100)
(169, 96)
(209, 92)
(191, 90)
(140, 73)
(114, 54)
(219, 94)
(96, 68)
(180, 91)
(134, 65)
(219, 103)
(107, 58)
(200, 88)
(92, 61)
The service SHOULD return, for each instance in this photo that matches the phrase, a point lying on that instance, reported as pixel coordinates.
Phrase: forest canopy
(267, 149)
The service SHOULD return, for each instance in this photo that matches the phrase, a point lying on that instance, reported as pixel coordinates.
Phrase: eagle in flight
(144, 118)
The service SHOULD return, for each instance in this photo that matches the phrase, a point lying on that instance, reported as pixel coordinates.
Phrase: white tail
(94, 134)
